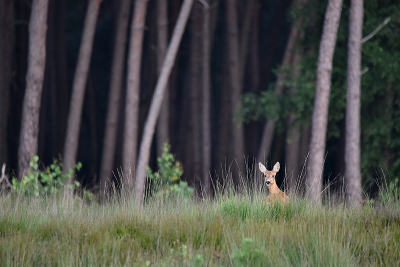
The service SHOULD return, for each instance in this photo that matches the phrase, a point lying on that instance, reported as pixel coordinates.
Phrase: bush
(50, 181)
(167, 181)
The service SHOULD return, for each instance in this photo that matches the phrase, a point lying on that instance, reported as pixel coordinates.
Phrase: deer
(275, 194)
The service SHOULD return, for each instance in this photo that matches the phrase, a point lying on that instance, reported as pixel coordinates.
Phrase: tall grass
(230, 230)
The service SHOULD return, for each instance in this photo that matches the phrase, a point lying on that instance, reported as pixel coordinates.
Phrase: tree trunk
(132, 95)
(34, 85)
(195, 87)
(156, 102)
(162, 45)
(315, 164)
(271, 50)
(237, 130)
(206, 102)
(224, 149)
(293, 129)
(253, 72)
(78, 88)
(55, 95)
(352, 147)
(245, 33)
(293, 138)
(269, 128)
(6, 56)
(117, 74)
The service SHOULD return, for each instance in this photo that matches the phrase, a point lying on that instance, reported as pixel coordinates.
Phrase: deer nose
(268, 182)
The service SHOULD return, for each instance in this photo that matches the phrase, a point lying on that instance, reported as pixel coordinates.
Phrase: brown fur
(275, 194)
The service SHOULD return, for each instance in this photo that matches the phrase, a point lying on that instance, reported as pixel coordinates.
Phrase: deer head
(270, 177)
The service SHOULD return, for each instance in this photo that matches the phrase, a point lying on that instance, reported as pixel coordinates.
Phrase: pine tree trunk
(34, 85)
(155, 107)
(55, 95)
(6, 56)
(352, 147)
(195, 87)
(245, 34)
(237, 130)
(114, 99)
(253, 72)
(132, 95)
(162, 45)
(276, 28)
(293, 138)
(293, 129)
(78, 88)
(206, 103)
(224, 149)
(315, 164)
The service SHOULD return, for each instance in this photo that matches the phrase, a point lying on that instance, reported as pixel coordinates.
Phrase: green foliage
(49, 181)
(254, 108)
(167, 181)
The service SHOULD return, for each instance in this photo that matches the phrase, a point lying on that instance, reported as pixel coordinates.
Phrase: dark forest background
(262, 47)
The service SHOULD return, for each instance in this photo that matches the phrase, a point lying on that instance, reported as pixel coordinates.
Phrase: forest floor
(230, 230)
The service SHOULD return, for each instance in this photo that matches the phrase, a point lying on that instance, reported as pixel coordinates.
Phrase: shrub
(167, 181)
(47, 182)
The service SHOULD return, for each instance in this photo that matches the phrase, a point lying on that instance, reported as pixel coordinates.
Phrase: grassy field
(230, 230)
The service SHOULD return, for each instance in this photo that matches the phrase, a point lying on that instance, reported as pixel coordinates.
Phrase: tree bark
(6, 56)
(132, 95)
(156, 102)
(34, 85)
(224, 149)
(237, 130)
(78, 88)
(269, 128)
(293, 129)
(245, 33)
(315, 164)
(206, 102)
(352, 144)
(293, 138)
(195, 90)
(253, 72)
(276, 28)
(162, 45)
(114, 99)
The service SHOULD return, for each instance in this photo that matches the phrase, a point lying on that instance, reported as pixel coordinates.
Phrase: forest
(312, 84)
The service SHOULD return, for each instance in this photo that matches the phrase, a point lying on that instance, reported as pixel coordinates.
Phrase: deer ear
(262, 167)
(277, 167)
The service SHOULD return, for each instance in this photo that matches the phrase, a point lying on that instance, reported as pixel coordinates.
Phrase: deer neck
(274, 189)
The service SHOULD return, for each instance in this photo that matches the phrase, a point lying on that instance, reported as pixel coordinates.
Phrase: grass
(231, 230)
